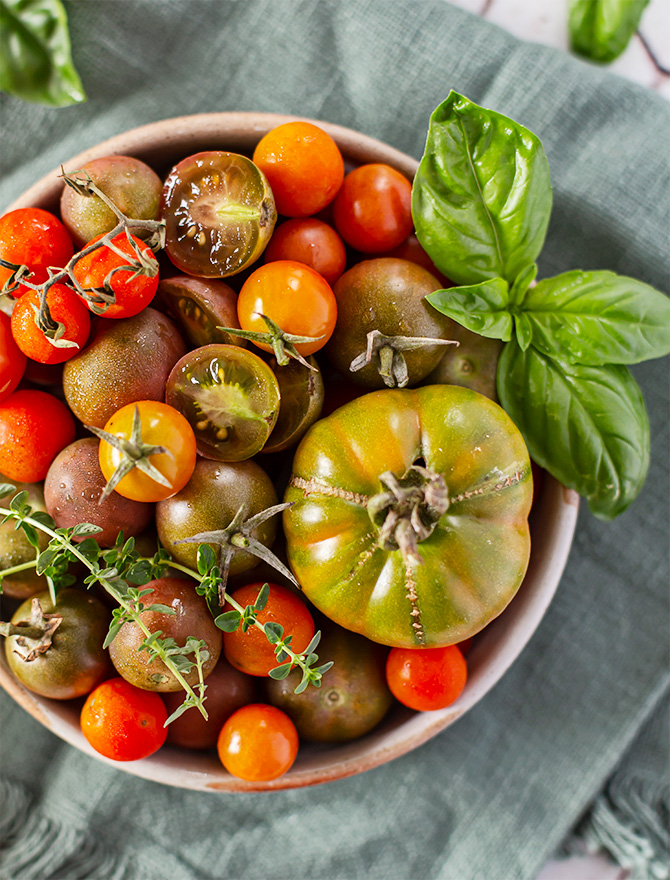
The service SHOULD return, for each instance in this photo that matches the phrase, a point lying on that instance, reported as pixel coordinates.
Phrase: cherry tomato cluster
(194, 387)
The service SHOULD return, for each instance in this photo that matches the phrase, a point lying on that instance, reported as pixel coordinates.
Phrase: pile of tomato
(186, 396)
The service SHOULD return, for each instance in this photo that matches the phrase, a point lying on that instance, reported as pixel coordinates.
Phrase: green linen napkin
(494, 795)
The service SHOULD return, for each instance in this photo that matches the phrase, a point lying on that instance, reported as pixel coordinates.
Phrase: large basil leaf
(601, 29)
(586, 425)
(481, 308)
(35, 60)
(481, 197)
(598, 318)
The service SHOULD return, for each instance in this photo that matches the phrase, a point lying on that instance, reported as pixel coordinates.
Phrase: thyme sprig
(121, 572)
(98, 299)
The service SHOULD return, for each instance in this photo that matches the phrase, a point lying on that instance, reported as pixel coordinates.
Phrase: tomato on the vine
(258, 743)
(123, 722)
(160, 425)
(134, 291)
(12, 359)
(373, 210)
(34, 238)
(250, 651)
(304, 166)
(34, 427)
(67, 309)
(312, 242)
(292, 295)
(426, 679)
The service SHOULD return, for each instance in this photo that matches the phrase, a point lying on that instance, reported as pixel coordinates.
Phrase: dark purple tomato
(353, 697)
(230, 398)
(387, 295)
(219, 213)
(191, 618)
(471, 364)
(200, 306)
(227, 691)
(125, 361)
(75, 662)
(302, 395)
(133, 187)
(72, 491)
(209, 501)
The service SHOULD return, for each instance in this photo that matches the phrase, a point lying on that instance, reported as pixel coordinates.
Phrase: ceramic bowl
(554, 516)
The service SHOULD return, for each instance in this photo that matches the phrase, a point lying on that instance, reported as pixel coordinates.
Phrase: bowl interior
(553, 518)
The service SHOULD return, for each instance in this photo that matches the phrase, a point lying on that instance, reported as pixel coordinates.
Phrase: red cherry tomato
(311, 242)
(373, 210)
(66, 308)
(258, 743)
(12, 359)
(426, 678)
(34, 427)
(250, 651)
(295, 297)
(34, 238)
(123, 722)
(133, 292)
(303, 165)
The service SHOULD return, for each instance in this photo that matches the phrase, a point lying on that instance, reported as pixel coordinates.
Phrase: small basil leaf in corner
(481, 198)
(601, 29)
(481, 308)
(35, 59)
(521, 284)
(598, 318)
(586, 425)
(523, 330)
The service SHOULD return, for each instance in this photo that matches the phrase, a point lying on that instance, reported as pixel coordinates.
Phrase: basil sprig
(601, 29)
(482, 196)
(562, 375)
(35, 59)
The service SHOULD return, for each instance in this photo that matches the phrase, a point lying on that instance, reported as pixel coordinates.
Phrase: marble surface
(645, 61)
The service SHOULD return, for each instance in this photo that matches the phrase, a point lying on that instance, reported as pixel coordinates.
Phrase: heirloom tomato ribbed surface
(410, 509)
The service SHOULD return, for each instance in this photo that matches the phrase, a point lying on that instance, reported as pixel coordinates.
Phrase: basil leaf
(586, 425)
(481, 308)
(521, 284)
(601, 29)
(481, 197)
(598, 318)
(35, 60)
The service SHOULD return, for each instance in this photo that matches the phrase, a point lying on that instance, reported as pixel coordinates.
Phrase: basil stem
(35, 59)
(482, 197)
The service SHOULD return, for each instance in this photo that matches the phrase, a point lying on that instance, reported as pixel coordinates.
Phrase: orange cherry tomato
(64, 307)
(34, 427)
(303, 165)
(123, 722)
(161, 425)
(250, 651)
(312, 242)
(133, 292)
(34, 238)
(295, 297)
(258, 743)
(426, 678)
(12, 359)
(373, 210)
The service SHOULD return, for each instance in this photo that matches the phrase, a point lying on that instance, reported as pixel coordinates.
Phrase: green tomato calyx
(387, 352)
(409, 510)
(39, 630)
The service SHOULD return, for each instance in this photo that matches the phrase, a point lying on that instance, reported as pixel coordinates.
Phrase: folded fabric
(493, 796)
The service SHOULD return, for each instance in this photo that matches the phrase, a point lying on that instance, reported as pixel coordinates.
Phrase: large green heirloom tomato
(410, 509)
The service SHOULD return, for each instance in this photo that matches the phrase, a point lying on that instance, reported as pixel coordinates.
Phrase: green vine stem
(107, 585)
